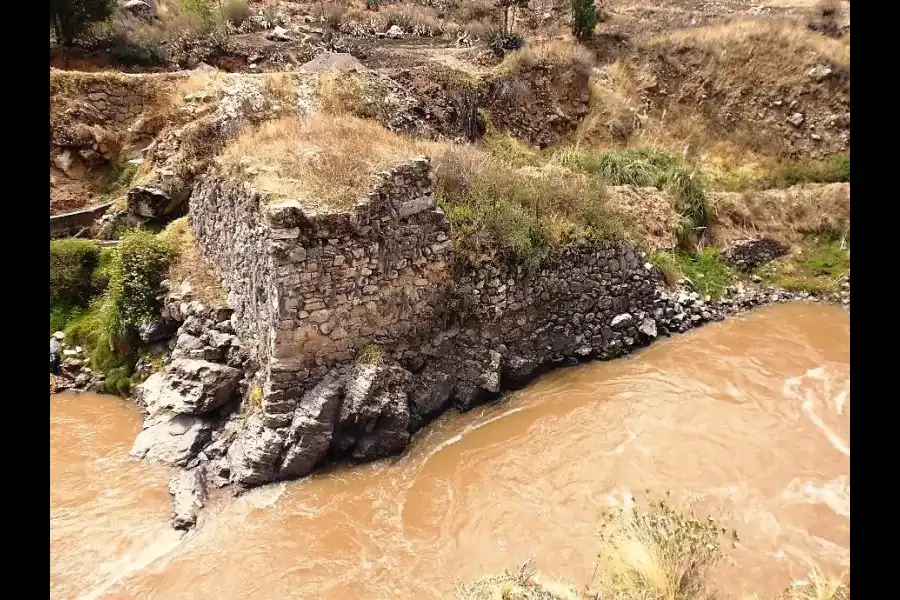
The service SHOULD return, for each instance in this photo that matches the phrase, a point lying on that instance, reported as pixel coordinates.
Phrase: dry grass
(557, 51)
(358, 95)
(325, 159)
(190, 264)
(819, 586)
(786, 215)
(659, 553)
(750, 36)
(614, 110)
(523, 583)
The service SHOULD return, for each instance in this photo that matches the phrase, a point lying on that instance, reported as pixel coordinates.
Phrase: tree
(584, 18)
(69, 18)
(505, 6)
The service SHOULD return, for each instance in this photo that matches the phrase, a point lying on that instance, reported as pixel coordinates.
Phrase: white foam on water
(793, 387)
(621, 447)
(835, 494)
(459, 436)
(163, 544)
(265, 496)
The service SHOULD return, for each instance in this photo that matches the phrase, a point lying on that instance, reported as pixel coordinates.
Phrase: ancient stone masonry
(349, 329)
(311, 287)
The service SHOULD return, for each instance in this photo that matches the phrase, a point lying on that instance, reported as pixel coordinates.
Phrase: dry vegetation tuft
(655, 554)
(326, 159)
(748, 37)
(190, 265)
(558, 51)
(819, 586)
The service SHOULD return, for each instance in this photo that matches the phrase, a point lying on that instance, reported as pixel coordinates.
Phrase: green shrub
(584, 18)
(108, 329)
(647, 167)
(706, 270)
(202, 10)
(833, 169)
(491, 204)
(72, 263)
(135, 274)
(71, 18)
(236, 11)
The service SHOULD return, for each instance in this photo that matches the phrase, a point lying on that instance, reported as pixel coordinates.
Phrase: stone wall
(311, 287)
(112, 99)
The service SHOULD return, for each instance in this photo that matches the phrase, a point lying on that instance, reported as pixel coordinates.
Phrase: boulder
(140, 9)
(188, 491)
(518, 372)
(395, 32)
(390, 435)
(55, 355)
(153, 332)
(648, 328)
(312, 427)
(172, 440)
(189, 387)
(253, 456)
(746, 255)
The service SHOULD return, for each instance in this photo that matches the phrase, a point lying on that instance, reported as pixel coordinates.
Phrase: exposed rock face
(189, 387)
(356, 328)
(747, 255)
(188, 490)
(172, 440)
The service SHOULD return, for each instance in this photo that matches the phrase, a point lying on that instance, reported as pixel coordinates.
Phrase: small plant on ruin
(370, 354)
(254, 397)
(658, 553)
(584, 18)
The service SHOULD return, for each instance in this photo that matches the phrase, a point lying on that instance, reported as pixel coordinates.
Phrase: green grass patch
(370, 354)
(118, 176)
(648, 167)
(706, 270)
(832, 169)
(493, 204)
(819, 268)
(108, 326)
(74, 264)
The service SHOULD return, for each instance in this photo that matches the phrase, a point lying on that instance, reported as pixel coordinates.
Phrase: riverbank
(702, 415)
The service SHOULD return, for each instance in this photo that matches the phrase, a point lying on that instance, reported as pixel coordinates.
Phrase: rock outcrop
(351, 329)
(188, 491)
(747, 255)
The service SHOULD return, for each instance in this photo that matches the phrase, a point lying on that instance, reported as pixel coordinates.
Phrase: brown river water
(748, 419)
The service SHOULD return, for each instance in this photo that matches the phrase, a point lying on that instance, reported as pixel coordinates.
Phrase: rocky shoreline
(203, 415)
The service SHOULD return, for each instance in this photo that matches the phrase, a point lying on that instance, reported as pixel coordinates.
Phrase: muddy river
(747, 419)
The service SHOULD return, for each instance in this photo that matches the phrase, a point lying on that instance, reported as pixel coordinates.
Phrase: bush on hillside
(236, 11)
(584, 18)
(70, 18)
(491, 204)
(72, 264)
(139, 267)
(108, 329)
(647, 167)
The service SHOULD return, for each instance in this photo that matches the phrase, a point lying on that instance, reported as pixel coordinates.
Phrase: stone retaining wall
(310, 288)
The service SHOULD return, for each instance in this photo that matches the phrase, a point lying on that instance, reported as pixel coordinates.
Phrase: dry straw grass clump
(737, 40)
(659, 554)
(818, 585)
(324, 159)
(557, 51)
